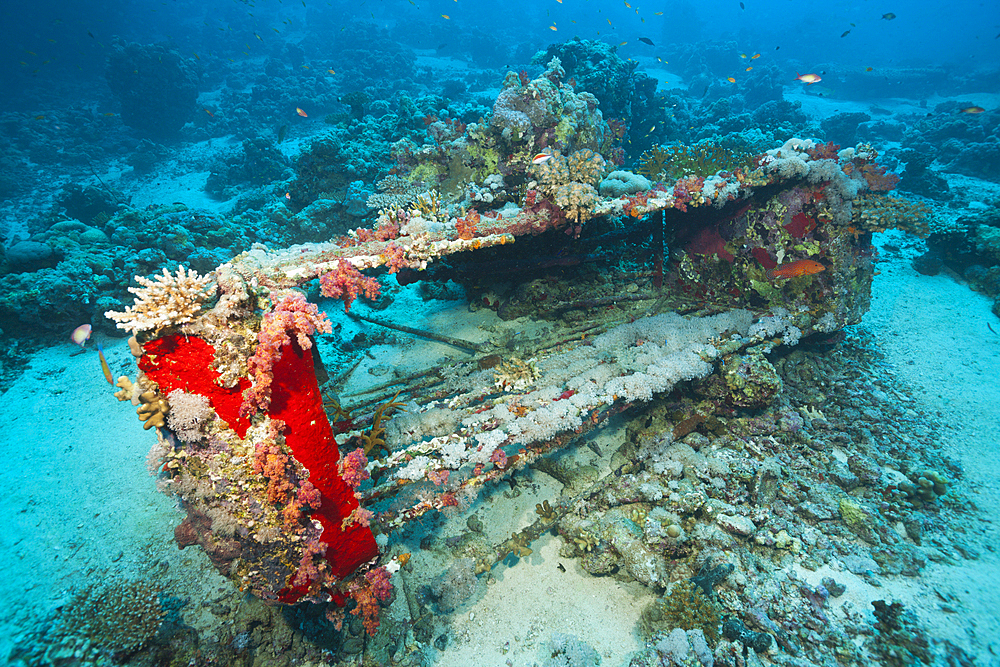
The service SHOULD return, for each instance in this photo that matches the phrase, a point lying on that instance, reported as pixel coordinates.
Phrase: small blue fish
(104, 365)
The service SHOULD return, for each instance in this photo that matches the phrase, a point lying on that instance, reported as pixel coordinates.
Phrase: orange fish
(748, 68)
(445, 16)
(731, 80)
(801, 267)
(301, 112)
(210, 113)
(553, 27)
(331, 71)
(973, 110)
(869, 69)
(755, 56)
(808, 79)
(104, 364)
(541, 158)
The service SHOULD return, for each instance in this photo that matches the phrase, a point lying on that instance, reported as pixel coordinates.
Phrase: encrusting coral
(685, 607)
(165, 301)
(153, 409)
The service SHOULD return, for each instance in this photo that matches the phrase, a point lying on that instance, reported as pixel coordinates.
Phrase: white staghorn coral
(167, 300)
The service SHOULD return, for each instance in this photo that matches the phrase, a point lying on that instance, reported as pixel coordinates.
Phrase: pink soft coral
(346, 283)
(353, 468)
(292, 315)
(367, 592)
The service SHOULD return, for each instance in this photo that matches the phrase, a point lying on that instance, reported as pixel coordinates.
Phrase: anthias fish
(81, 334)
(808, 79)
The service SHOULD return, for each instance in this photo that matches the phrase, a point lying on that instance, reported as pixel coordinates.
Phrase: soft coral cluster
(345, 282)
(367, 592)
(292, 315)
(687, 190)
(353, 468)
(270, 461)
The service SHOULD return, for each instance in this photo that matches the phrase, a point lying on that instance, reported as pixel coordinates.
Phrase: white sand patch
(665, 79)
(817, 105)
(933, 331)
(78, 499)
(176, 186)
(428, 58)
(526, 601)
(530, 601)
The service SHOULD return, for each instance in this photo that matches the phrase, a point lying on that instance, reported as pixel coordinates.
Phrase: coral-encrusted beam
(185, 362)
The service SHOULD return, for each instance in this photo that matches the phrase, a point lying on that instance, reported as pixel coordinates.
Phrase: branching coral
(395, 192)
(877, 213)
(671, 162)
(515, 375)
(119, 617)
(686, 607)
(374, 440)
(165, 301)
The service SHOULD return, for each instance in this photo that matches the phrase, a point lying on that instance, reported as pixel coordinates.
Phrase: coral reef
(698, 302)
(685, 607)
(154, 86)
(669, 163)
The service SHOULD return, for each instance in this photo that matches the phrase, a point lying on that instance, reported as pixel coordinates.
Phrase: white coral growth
(165, 301)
